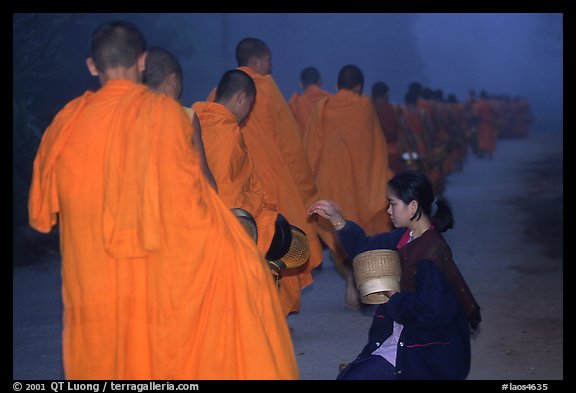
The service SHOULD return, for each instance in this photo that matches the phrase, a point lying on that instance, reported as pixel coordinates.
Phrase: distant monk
(164, 74)
(232, 164)
(271, 135)
(388, 116)
(348, 153)
(159, 280)
(303, 104)
(486, 124)
(349, 158)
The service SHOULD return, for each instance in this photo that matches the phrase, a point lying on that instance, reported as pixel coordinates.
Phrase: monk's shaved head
(411, 98)
(379, 90)
(116, 44)
(159, 64)
(232, 82)
(250, 47)
(349, 77)
(310, 76)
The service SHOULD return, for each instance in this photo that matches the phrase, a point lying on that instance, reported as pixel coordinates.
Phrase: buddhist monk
(416, 136)
(486, 123)
(233, 166)
(303, 104)
(388, 117)
(348, 152)
(159, 279)
(471, 120)
(435, 139)
(271, 135)
(349, 157)
(163, 74)
(459, 130)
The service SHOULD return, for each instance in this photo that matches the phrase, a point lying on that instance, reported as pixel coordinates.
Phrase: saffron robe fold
(302, 105)
(233, 168)
(159, 279)
(348, 155)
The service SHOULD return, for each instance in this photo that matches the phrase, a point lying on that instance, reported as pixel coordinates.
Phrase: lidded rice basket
(299, 251)
(376, 271)
(289, 248)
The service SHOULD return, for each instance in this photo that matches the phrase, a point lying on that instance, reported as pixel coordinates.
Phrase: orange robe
(160, 281)
(233, 169)
(348, 154)
(271, 135)
(484, 112)
(459, 132)
(302, 105)
(388, 117)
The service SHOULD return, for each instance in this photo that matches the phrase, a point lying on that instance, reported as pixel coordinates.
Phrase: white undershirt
(389, 347)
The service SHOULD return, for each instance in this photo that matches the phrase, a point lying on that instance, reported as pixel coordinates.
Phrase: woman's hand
(330, 211)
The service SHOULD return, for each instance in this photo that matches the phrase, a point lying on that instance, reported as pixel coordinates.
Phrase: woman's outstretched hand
(329, 210)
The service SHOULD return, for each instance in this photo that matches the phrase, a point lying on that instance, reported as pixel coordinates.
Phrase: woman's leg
(373, 367)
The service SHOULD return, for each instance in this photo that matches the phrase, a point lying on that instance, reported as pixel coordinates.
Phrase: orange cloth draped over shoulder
(233, 169)
(302, 105)
(348, 155)
(271, 135)
(160, 280)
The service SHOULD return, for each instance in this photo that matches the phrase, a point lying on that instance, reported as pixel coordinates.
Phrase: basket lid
(281, 240)
(247, 221)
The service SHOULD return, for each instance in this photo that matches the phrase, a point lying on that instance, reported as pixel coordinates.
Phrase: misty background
(515, 54)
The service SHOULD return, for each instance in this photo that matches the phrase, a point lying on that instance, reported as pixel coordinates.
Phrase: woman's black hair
(414, 186)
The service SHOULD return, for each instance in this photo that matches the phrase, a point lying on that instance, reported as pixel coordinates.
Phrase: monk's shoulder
(294, 98)
(199, 106)
(169, 105)
(73, 105)
(264, 83)
(365, 101)
(266, 87)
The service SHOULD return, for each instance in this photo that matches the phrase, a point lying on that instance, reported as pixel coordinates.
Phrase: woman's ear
(413, 205)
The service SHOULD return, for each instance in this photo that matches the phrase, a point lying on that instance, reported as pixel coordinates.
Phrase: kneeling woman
(423, 331)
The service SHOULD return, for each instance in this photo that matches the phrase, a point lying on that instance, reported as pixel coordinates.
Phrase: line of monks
(160, 280)
(433, 134)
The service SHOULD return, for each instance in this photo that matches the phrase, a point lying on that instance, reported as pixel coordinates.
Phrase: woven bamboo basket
(376, 271)
(299, 251)
(297, 254)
